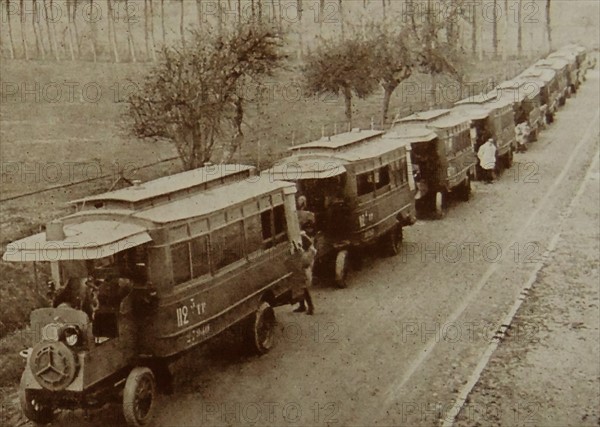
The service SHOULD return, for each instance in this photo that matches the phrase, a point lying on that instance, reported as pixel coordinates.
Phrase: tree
(10, 35)
(392, 55)
(130, 41)
(548, 26)
(37, 32)
(92, 22)
(112, 33)
(23, 19)
(193, 96)
(341, 66)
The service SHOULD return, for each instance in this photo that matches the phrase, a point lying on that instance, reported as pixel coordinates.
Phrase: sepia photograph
(300, 213)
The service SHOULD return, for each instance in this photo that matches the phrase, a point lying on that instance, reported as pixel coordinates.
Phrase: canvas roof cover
(410, 133)
(423, 116)
(86, 240)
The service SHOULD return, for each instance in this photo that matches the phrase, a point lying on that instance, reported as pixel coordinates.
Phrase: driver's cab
(99, 286)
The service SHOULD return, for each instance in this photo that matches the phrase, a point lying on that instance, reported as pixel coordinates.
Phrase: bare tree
(192, 98)
(162, 21)
(112, 34)
(130, 40)
(51, 40)
(152, 40)
(70, 29)
(548, 26)
(39, 45)
(181, 22)
(75, 28)
(53, 27)
(341, 12)
(495, 28)
(519, 29)
(23, 20)
(146, 31)
(92, 21)
(474, 24)
(11, 46)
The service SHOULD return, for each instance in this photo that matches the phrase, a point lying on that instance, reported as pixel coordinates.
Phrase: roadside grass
(42, 140)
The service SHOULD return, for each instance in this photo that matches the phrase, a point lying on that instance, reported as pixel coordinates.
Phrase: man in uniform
(307, 225)
(487, 159)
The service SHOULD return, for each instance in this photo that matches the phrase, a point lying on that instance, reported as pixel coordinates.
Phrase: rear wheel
(509, 159)
(34, 410)
(261, 333)
(465, 189)
(341, 268)
(440, 204)
(393, 241)
(138, 396)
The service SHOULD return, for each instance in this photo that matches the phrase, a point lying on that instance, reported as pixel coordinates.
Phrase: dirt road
(396, 347)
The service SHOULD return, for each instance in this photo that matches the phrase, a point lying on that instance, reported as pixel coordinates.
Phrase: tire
(465, 190)
(342, 264)
(440, 201)
(393, 241)
(139, 395)
(35, 411)
(509, 159)
(261, 333)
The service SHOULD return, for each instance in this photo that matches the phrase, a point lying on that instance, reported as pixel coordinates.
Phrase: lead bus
(359, 187)
(147, 272)
(442, 155)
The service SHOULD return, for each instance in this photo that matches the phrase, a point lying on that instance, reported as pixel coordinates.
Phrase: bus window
(180, 259)
(227, 246)
(280, 224)
(382, 177)
(200, 265)
(266, 223)
(364, 183)
(254, 234)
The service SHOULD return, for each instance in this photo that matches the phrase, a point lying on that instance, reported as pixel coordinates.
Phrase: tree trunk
(321, 13)
(260, 11)
(495, 29)
(388, 90)
(39, 47)
(181, 29)
(129, 33)
(239, 12)
(53, 26)
(92, 31)
(70, 29)
(52, 45)
(300, 29)
(341, 11)
(23, 17)
(152, 40)
(146, 35)
(519, 30)
(505, 32)
(112, 34)
(162, 21)
(474, 29)
(199, 12)
(548, 26)
(11, 45)
(348, 103)
(383, 9)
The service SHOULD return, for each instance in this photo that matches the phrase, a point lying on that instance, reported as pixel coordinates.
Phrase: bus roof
(553, 63)
(339, 141)
(423, 116)
(410, 133)
(169, 185)
(535, 73)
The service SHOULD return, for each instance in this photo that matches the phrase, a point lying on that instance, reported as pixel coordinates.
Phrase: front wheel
(261, 335)
(341, 268)
(138, 396)
(34, 410)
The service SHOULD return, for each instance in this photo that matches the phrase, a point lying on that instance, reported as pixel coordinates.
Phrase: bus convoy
(143, 274)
